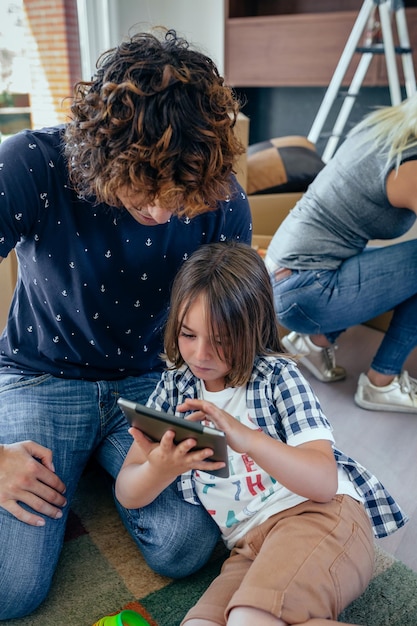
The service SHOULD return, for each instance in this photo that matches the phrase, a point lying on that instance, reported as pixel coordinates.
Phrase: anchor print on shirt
(44, 197)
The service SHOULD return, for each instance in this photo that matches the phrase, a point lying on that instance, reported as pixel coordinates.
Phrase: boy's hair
(158, 120)
(240, 308)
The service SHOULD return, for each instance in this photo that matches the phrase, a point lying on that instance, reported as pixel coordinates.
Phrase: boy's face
(150, 215)
(195, 345)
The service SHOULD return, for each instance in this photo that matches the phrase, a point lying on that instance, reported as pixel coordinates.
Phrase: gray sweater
(344, 207)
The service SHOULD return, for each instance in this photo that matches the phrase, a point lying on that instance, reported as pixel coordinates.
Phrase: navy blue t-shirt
(93, 284)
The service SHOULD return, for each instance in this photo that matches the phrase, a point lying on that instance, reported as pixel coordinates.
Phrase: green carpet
(390, 600)
(101, 572)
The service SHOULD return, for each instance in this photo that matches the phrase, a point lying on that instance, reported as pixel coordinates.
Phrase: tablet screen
(155, 423)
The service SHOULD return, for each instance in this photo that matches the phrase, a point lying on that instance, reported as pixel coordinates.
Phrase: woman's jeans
(364, 286)
(75, 419)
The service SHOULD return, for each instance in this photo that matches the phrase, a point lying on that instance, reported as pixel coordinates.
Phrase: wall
(273, 112)
(281, 111)
(104, 23)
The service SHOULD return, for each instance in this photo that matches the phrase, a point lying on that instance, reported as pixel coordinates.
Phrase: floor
(386, 443)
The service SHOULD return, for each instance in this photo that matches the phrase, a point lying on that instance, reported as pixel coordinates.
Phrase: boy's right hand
(27, 475)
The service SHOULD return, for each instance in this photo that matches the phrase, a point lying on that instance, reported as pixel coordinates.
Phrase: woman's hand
(27, 476)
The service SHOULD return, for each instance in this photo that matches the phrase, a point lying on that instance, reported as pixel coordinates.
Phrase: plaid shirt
(282, 403)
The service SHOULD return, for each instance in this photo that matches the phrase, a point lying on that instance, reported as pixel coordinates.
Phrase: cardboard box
(242, 132)
(8, 275)
(381, 322)
(268, 211)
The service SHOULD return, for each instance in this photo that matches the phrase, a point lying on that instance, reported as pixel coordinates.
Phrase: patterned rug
(101, 572)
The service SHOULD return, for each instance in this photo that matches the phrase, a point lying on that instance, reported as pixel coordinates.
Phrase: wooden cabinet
(273, 43)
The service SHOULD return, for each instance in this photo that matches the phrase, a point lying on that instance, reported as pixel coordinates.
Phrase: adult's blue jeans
(364, 286)
(76, 419)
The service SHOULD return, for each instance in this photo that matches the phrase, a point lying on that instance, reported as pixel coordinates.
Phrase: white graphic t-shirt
(249, 496)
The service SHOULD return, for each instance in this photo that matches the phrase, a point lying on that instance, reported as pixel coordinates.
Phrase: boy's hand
(171, 459)
(237, 434)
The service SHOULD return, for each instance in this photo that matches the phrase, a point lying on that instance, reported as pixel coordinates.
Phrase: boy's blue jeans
(76, 418)
(364, 286)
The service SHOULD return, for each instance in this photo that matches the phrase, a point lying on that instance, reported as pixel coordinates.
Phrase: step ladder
(379, 39)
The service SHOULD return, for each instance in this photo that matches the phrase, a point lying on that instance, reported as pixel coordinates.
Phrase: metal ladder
(378, 40)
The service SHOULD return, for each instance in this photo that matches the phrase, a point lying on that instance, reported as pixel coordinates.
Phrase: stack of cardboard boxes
(268, 210)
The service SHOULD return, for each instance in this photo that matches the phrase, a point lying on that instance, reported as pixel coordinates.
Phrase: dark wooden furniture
(292, 43)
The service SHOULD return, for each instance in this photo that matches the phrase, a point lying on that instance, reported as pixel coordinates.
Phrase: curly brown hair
(158, 119)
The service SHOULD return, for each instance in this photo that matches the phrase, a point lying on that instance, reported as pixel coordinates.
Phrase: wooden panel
(247, 8)
(297, 50)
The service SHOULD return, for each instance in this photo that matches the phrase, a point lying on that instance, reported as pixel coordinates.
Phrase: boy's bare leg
(246, 616)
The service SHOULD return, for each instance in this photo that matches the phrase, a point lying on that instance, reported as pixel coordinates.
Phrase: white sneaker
(400, 395)
(320, 362)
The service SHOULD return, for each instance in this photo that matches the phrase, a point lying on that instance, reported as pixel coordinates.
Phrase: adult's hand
(27, 475)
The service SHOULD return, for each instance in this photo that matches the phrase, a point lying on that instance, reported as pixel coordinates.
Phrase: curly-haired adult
(102, 212)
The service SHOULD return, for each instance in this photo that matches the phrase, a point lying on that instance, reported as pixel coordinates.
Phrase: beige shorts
(310, 561)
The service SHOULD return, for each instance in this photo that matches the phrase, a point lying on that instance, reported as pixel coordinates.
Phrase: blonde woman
(325, 276)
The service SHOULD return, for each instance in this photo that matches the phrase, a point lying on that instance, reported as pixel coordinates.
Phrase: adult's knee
(175, 538)
(28, 557)
(20, 596)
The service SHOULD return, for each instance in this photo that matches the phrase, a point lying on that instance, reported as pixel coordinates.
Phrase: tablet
(155, 423)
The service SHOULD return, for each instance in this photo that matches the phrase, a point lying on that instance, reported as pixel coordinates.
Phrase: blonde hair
(393, 128)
